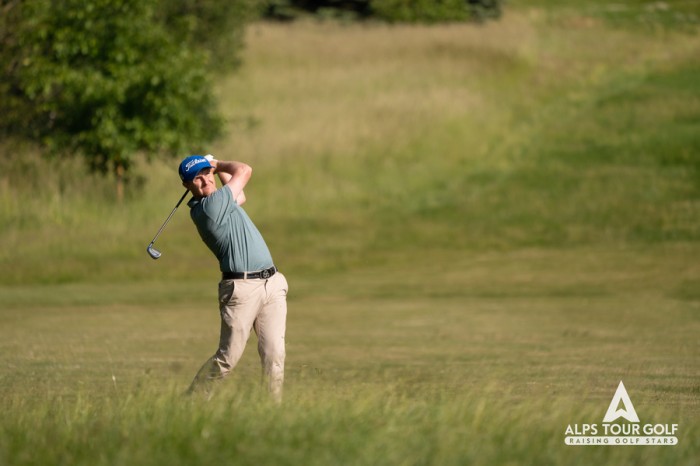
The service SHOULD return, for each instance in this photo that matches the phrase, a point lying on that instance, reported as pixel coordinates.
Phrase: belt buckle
(265, 274)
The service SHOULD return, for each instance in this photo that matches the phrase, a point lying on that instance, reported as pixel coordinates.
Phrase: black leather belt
(264, 274)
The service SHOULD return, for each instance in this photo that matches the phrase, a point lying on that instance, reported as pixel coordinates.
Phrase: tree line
(424, 11)
(109, 79)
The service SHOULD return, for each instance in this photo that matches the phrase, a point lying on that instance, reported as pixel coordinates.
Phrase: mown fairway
(484, 229)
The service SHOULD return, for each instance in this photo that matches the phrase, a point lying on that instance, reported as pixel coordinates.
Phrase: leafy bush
(215, 26)
(429, 11)
(109, 78)
(432, 11)
(103, 78)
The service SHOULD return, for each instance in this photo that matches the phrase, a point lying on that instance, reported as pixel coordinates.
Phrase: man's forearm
(223, 169)
(224, 177)
(229, 168)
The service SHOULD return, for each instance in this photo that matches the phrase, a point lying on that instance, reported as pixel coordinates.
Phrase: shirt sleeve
(219, 204)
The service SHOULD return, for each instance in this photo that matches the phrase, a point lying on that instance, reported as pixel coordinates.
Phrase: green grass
(638, 15)
(373, 425)
(487, 364)
(484, 229)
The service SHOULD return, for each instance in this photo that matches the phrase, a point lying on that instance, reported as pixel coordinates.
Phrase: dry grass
(359, 87)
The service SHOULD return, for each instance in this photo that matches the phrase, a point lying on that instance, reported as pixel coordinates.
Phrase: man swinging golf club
(252, 292)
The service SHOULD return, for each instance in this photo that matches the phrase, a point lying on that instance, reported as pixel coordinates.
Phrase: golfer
(252, 292)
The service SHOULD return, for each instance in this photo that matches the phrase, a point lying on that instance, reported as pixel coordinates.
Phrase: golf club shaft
(169, 217)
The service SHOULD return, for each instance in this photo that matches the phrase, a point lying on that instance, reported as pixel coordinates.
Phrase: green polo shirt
(230, 234)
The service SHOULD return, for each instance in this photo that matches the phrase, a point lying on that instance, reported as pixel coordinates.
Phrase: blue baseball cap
(191, 166)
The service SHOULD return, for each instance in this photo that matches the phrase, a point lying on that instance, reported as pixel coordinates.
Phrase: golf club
(153, 252)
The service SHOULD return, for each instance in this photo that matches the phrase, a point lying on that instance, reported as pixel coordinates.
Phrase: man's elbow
(246, 170)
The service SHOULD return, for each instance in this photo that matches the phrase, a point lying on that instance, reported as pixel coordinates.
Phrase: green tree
(414, 11)
(105, 79)
(216, 26)
(433, 11)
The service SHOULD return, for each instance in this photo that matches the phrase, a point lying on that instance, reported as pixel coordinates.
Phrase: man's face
(203, 184)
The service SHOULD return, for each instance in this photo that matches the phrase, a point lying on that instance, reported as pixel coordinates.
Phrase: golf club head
(153, 252)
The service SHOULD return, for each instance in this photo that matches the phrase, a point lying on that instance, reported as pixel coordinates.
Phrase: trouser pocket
(226, 288)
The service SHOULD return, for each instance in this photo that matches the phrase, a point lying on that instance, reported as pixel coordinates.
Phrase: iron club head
(153, 252)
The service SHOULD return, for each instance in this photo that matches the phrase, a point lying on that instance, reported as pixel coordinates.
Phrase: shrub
(426, 11)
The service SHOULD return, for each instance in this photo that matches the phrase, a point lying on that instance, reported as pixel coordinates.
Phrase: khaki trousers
(258, 304)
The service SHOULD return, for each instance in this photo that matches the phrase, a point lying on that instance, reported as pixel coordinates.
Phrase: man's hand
(212, 161)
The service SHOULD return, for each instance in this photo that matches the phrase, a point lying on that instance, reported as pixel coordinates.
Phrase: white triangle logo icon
(628, 412)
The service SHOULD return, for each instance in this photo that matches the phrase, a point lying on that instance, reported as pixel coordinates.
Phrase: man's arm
(225, 178)
(240, 200)
(235, 175)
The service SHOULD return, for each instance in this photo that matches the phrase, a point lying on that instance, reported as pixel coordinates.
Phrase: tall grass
(486, 362)
(484, 229)
(371, 138)
(372, 425)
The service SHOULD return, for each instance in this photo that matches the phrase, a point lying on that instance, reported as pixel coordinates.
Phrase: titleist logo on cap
(194, 162)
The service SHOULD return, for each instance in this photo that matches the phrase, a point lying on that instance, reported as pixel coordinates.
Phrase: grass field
(485, 229)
